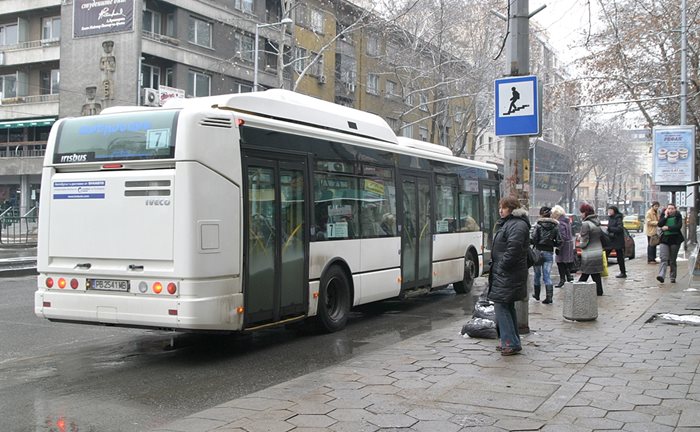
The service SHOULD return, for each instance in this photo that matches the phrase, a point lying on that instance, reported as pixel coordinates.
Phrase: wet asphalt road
(66, 377)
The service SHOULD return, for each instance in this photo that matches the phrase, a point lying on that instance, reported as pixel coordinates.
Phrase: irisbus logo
(75, 157)
(157, 202)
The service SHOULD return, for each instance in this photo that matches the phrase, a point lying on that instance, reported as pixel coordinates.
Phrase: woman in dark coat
(591, 248)
(565, 251)
(508, 277)
(616, 232)
(670, 223)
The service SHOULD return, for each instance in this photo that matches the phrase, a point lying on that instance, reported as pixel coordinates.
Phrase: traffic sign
(517, 106)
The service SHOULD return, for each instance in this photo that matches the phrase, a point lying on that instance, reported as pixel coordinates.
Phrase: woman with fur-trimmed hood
(508, 277)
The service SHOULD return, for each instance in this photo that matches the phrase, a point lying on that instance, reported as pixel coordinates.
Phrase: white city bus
(244, 211)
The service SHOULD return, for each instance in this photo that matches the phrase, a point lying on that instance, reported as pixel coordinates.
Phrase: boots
(536, 295)
(550, 294)
(561, 283)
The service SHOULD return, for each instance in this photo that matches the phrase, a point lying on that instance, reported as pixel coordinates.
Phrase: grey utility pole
(517, 147)
(693, 203)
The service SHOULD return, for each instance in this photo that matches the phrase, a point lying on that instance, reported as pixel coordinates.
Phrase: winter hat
(545, 211)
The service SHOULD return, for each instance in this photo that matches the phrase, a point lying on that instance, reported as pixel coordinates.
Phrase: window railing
(32, 44)
(20, 151)
(30, 99)
(161, 38)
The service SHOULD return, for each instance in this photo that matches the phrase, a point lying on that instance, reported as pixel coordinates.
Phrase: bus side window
(321, 212)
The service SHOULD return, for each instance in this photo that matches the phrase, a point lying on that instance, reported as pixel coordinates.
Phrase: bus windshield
(139, 135)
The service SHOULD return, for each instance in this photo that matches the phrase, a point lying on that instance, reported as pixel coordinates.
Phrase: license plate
(109, 284)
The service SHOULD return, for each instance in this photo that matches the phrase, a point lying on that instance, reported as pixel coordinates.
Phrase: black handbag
(534, 257)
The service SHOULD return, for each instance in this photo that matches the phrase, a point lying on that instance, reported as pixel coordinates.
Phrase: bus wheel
(333, 300)
(470, 269)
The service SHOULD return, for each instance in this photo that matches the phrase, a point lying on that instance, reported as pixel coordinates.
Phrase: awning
(27, 123)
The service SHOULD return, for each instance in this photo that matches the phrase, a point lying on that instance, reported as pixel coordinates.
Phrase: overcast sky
(565, 21)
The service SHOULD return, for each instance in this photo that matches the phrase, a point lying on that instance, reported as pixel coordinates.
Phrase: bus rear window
(128, 136)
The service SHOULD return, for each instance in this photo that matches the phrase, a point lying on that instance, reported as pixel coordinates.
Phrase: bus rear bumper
(177, 313)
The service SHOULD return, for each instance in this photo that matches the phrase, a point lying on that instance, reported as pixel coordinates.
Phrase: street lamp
(285, 21)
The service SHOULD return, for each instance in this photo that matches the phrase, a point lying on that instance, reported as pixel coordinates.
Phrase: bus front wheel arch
(471, 269)
(334, 300)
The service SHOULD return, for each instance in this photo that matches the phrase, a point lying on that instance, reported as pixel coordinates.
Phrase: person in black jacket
(670, 223)
(508, 277)
(616, 232)
(545, 237)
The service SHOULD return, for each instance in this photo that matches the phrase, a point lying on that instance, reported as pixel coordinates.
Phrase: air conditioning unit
(321, 79)
(150, 97)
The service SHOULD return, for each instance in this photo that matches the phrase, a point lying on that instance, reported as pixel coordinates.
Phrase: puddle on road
(669, 318)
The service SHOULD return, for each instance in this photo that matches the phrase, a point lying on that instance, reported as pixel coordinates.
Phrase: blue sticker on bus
(94, 189)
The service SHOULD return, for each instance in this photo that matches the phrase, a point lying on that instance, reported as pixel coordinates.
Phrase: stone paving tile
(435, 425)
(191, 424)
(599, 423)
(647, 427)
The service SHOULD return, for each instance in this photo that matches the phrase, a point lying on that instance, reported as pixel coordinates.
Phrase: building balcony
(29, 106)
(37, 51)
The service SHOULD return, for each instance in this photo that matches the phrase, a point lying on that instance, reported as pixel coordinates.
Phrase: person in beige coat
(651, 221)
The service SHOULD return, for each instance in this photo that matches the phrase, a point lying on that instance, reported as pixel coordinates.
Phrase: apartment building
(71, 58)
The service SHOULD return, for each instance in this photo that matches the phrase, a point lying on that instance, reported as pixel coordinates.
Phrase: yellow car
(632, 223)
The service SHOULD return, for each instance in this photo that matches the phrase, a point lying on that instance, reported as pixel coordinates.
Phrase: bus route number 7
(158, 139)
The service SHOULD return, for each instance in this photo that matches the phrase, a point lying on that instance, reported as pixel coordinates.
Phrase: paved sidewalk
(619, 372)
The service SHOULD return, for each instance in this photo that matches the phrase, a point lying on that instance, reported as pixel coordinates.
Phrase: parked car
(633, 223)
(629, 247)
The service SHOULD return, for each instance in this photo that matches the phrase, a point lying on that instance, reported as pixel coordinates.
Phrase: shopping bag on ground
(604, 273)
(480, 328)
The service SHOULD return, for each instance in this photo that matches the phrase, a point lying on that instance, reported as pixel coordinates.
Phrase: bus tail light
(239, 310)
(74, 283)
(157, 287)
(49, 282)
(61, 283)
(172, 312)
(172, 288)
(240, 122)
(46, 304)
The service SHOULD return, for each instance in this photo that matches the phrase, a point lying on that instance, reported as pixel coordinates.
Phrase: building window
(490, 147)
(316, 20)
(245, 45)
(423, 102)
(409, 98)
(299, 59)
(8, 86)
(151, 22)
(198, 84)
(423, 133)
(8, 34)
(390, 88)
(169, 77)
(51, 28)
(243, 88)
(245, 5)
(407, 130)
(372, 45)
(49, 81)
(271, 53)
(459, 116)
(199, 32)
(150, 76)
(393, 124)
(373, 83)
(170, 24)
(310, 18)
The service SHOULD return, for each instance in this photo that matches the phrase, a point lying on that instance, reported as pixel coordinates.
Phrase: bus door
(275, 238)
(489, 215)
(416, 231)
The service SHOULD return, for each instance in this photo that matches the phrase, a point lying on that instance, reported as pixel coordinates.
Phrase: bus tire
(333, 301)
(470, 269)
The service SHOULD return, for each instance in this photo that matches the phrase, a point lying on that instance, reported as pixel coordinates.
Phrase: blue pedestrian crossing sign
(517, 106)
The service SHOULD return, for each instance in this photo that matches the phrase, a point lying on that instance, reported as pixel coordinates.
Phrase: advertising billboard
(674, 155)
(96, 17)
